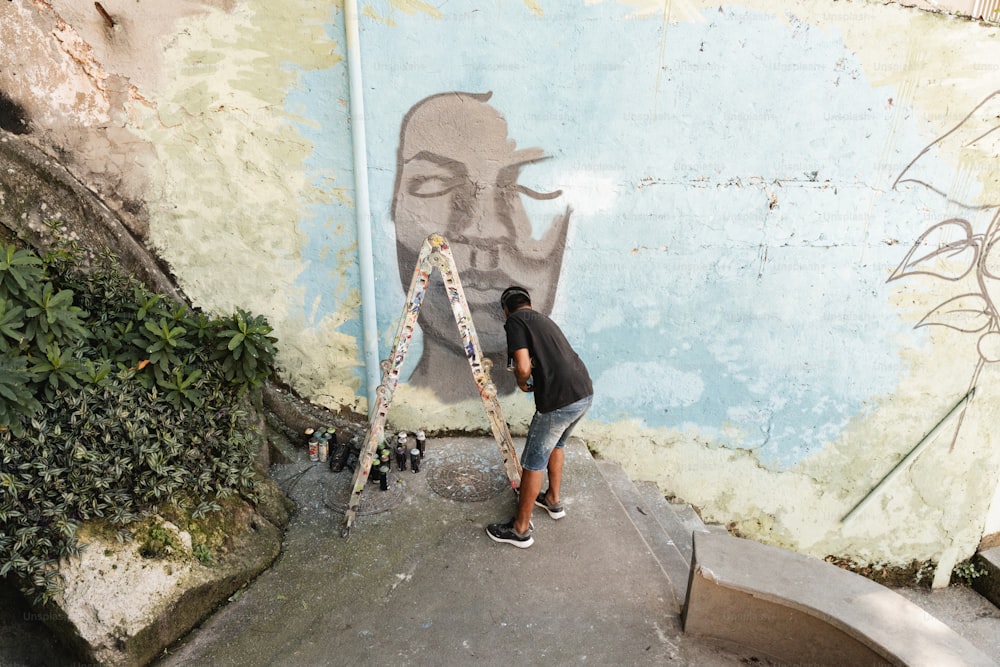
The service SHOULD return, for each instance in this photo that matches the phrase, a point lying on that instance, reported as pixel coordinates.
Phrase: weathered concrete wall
(766, 225)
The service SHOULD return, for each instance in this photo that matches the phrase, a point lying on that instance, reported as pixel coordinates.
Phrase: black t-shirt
(559, 375)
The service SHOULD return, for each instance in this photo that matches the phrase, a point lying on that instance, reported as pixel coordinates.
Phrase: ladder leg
(480, 365)
(365, 461)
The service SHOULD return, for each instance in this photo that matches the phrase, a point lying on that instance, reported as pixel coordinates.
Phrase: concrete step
(799, 610)
(678, 520)
(668, 529)
(666, 535)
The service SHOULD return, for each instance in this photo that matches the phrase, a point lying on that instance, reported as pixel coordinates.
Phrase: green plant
(11, 325)
(51, 316)
(58, 370)
(158, 542)
(182, 389)
(19, 269)
(246, 349)
(163, 343)
(967, 571)
(203, 553)
(115, 402)
(17, 399)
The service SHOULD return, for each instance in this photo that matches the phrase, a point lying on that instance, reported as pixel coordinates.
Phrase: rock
(36, 189)
(124, 603)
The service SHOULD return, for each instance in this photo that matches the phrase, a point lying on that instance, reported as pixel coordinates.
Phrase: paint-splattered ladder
(434, 253)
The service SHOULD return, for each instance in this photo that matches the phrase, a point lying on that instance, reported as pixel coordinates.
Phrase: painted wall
(765, 225)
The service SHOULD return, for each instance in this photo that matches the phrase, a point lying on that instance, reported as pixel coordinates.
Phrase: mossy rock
(124, 602)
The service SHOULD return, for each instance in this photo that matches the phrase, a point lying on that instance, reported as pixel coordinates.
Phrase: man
(544, 363)
(457, 174)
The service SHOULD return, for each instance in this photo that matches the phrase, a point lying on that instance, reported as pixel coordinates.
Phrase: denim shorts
(550, 430)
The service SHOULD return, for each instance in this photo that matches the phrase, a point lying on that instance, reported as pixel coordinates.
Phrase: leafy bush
(113, 400)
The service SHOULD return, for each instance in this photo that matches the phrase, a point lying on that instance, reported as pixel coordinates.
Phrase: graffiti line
(917, 449)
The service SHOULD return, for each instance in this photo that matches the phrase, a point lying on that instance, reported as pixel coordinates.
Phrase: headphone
(511, 292)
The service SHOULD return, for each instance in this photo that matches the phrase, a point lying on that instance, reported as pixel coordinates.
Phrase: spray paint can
(338, 456)
(421, 443)
(324, 444)
(314, 449)
(383, 482)
(415, 459)
(401, 457)
(352, 454)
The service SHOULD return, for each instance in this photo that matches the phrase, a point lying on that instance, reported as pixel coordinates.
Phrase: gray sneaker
(504, 532)
(555, 510)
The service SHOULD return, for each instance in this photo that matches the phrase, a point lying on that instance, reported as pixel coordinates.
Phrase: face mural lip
(457, 175)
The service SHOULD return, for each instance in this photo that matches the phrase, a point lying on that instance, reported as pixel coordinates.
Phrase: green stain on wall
(231, 186)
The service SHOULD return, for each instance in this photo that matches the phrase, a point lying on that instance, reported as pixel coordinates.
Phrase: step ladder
(434, 253)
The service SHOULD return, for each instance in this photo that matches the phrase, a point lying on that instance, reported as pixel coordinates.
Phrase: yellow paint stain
(369, 12)
(412, 7)
(534, 7)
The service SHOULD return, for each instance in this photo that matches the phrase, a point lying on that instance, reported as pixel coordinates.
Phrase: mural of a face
(457, 175)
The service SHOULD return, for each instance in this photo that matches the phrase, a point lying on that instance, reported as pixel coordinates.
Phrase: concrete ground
(422, 584)
(418, 582)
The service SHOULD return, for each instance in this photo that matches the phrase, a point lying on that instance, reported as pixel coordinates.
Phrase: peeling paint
(235, 239)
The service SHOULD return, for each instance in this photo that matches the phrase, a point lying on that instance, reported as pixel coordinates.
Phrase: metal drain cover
(373, 499)
(465, 476)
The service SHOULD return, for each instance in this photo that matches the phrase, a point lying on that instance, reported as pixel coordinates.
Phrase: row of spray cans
(405, 452)
(321, 441)
(324, 447)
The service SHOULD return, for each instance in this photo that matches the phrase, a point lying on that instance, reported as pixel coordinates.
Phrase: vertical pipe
(366, 258)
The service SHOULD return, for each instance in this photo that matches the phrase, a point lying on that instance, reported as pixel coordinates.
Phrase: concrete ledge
(988, 585)
(802, 610)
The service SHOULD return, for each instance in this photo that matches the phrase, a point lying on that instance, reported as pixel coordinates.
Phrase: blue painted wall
(734, 222)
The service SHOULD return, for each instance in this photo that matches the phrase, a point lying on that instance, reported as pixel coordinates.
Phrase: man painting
(457, 175)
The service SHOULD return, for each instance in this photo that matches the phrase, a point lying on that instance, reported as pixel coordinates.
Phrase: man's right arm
(522, 368)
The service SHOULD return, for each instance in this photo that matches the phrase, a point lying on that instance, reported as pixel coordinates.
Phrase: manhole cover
(373, 499)
(466, 477)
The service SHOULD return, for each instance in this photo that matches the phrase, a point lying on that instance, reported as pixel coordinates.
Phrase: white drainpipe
(366, 260)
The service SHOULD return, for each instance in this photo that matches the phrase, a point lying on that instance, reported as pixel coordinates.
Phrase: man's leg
(555, 469)
(558, 455)
(531, 486)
